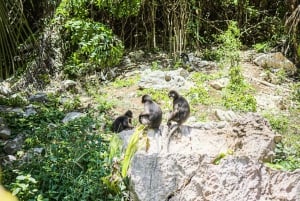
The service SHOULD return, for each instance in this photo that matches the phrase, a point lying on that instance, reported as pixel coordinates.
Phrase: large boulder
(276, 61)
(220, 163)
(158, 79)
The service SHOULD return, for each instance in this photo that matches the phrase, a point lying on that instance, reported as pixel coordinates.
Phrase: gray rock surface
(5, 133)
(12, 146)
(165, 80)
(219, 84)
(225, 115)
(38, 97)
(185, 168)
(5, 88)
(276, 61)
(71, 116)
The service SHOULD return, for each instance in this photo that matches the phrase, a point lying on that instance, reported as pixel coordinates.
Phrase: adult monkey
(181, 109)
(152, 114)
(122, 122)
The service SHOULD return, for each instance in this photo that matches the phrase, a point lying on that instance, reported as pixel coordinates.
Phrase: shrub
(238, 94)
(93, 47)
(72, 164)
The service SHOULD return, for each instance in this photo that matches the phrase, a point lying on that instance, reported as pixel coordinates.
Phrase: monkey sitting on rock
(152, 114)
(122, 122)
(181, 109)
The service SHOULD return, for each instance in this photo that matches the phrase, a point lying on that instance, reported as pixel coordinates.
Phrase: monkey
(181, 109)
(152, 114)
(122, 122)
(185, 58)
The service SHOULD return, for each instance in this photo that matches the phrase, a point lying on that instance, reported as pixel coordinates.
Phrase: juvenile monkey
(152, 114)
(122, 122)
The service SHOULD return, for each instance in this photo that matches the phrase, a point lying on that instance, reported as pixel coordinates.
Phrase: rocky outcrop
(212, 163)
(276, 61)
(165, 80)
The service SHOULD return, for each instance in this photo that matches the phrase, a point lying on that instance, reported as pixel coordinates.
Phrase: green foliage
(262, 47)
(158, 95)
(95, 47)
(198, 95)
(238, 94)
(222, 155)
(200, 77)
(296, 93)
(131, 149)
(287, 152)
(73, 8)
(230, 44)
(71, 104)
(286, 159)
(15, 101)
(119, 162)
(125, 82)
(278, 122)
(211, 55)
(73, 161)
(24, 187)
(119, 8)
(154, 65)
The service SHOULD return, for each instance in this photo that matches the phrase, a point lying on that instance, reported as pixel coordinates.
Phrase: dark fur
(122, 122)
(152, 114)
(181, 108)
(185, 58)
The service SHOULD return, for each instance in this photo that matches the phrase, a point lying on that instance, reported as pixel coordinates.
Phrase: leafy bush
(121, 8)
(94, 47)
(262, 47)
(198, 95)
(238, 94)
(16, 101)
(72, 164)
(230, 44)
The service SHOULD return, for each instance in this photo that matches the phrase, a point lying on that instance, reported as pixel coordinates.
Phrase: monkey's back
(183, 110)
(155, 115)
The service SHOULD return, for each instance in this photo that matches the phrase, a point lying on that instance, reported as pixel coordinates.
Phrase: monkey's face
(173, 94)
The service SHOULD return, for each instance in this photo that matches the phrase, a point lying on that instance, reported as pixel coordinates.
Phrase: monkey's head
(146, 98)
(128, 113)
(173, 94)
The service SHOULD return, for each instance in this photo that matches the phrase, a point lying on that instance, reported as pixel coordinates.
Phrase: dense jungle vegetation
(42, 39)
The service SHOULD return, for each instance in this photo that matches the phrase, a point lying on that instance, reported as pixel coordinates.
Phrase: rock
(12, 146)
(188, 169)
(5, 133)
(71, 116)
(69, 85)
(164, 80)
(219, 84)
(8, 159)
(167, 78)
(29, 111)
(5, 89)
(225, 115)
(137, 55)
(276, 61)
(38, 97)
(17, 110)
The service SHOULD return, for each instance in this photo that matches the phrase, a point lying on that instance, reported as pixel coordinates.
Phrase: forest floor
(272, 99)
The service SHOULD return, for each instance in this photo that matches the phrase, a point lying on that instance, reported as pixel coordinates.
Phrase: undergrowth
(72, 162)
